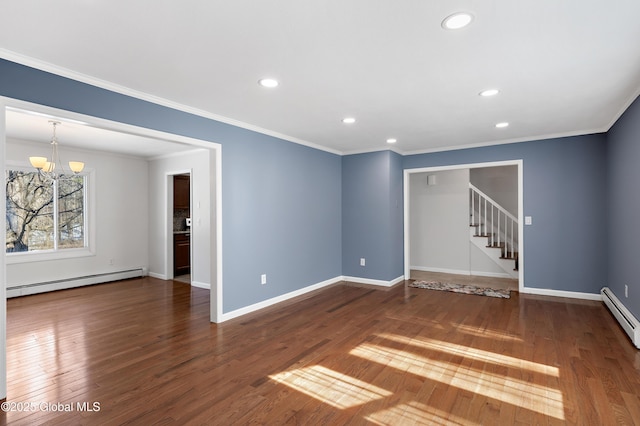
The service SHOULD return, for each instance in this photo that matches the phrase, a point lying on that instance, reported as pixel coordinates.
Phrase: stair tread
(504, 245)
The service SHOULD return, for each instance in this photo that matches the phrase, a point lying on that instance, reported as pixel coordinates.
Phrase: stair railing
(493, 221)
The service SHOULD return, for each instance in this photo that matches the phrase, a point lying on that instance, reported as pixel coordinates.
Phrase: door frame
(215, 226)
(407, 234)
(169, 249)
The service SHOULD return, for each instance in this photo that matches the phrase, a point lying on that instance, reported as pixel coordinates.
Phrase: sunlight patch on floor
(333, 388)
(416, 413)
(477, 331)
(478, 354)
(520, 393)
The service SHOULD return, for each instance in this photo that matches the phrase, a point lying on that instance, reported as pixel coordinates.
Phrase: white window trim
(89, 225)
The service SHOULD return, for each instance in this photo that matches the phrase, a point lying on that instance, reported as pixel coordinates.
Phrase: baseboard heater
(628, 322)
(45, 286)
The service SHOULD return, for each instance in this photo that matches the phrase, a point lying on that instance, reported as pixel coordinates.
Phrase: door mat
(460, 288)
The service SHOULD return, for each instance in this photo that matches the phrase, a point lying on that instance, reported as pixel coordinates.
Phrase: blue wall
(565, 193)
(623, 143)
(396, 214)
(281, 201)
(303, 216)
(282, 217)
(372, 215)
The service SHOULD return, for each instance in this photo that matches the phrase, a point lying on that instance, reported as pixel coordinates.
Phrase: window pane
(29, 212)
(70, 212)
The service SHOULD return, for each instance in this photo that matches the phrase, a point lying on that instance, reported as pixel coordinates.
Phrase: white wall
(120, 216)
(439, 226)
(199, 163)
(480, 264)
(439, 221)
(500, 183)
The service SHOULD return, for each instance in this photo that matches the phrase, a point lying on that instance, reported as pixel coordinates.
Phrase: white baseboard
(561, 293)
(198, 284)
(264, 304)
(43, 287)
(269, 302)
(524, 290)
(370, 281)
(491, 274)
(461, 272)
(441, 270)
(158, 276)
(626, 319)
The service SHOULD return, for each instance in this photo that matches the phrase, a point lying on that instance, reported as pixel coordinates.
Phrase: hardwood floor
(145, 351)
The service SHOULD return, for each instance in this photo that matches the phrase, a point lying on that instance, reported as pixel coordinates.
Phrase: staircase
(494, 231)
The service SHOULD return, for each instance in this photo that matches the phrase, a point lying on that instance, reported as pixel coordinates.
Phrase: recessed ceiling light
(457, 20)
(392, 140)
(349, 120)
(502, 125)
(268, 82)
(489, 92)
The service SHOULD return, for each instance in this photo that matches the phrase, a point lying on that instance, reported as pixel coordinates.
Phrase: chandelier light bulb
(46, 168)
(38, 162)
(76, 166)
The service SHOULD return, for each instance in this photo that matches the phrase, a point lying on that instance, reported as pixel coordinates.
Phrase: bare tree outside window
(33, 215)
(71, 212)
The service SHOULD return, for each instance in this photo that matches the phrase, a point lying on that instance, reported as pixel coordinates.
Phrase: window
(44, 216)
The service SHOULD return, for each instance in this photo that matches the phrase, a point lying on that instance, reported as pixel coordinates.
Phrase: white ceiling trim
(623, 108)
(509, 141)
(177, 154)
(101, 123)
(367, 151)
(65, 72)
(65, 149)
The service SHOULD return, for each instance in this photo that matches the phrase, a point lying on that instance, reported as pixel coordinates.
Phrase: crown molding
(103, 84)
(123, 90)
(507, 141)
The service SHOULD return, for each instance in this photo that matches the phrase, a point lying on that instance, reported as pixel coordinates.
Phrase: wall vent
(628, 322)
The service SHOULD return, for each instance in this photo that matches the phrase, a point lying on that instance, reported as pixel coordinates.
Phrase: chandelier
(47, 167)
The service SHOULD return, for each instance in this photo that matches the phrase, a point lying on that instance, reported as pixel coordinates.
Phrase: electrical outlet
(626, 291)
(263, 279)
(362, 261)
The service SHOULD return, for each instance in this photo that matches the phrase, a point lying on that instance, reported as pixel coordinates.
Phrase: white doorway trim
(409, 172)
(168, 214)
(215, 150)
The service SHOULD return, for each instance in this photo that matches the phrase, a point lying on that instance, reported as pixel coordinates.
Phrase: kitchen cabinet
(181, 254)
(181, 189)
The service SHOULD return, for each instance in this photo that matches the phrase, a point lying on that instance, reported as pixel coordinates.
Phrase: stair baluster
(486, 216)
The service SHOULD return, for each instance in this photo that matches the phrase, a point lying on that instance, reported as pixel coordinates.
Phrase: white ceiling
(563, 67)
(37, 127)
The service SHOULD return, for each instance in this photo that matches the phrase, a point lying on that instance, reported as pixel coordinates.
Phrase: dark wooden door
(181, 185)
(181, 254)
